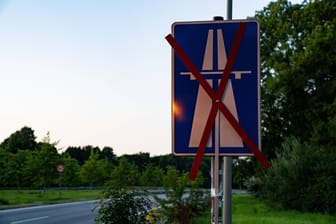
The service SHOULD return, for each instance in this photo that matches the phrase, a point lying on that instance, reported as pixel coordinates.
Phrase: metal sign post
(215, 176)
(227, 190)
(216, 214)
(227, 161)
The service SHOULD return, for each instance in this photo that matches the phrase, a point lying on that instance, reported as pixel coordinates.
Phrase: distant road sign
(208, 45)
(60, 168)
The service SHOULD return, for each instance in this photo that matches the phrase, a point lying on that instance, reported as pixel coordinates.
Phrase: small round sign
(60, 168)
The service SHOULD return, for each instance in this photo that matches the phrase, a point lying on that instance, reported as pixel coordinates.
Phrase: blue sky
(95, 72)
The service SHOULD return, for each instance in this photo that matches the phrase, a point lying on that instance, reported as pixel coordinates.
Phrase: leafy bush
(121, 206)
(181, 205)
(302, 178)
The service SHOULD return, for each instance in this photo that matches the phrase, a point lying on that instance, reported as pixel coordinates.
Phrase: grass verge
(246, 209)
(14, 198)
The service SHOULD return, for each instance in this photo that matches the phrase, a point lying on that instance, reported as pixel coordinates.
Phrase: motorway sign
(209, 45)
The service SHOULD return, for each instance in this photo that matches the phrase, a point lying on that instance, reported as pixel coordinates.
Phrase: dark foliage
(23, 139)
(121, 206)
(302, 178)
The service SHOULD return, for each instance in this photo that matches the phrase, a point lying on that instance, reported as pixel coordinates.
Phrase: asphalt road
(68, 213)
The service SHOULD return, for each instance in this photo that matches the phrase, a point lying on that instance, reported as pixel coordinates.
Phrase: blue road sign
(207, 45)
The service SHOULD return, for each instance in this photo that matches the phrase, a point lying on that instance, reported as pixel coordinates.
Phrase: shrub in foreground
(122, 206)
(301, 178)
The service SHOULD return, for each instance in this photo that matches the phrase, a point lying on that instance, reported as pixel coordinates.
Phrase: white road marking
(29, 220)
(46, 206)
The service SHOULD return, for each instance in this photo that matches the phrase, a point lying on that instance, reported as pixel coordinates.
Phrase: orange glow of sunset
(177, 110)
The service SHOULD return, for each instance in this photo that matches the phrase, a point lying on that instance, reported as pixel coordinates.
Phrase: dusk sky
(95, 72)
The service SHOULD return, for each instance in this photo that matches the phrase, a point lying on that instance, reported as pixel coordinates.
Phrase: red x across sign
(217, 104)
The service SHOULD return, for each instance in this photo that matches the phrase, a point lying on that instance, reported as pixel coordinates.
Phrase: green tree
(71, 174)
(243, 169)
(298, 61)
(77, 153)
(125, 174)
(16, 168)
(139, 159)
(324, 131)
(151, 176)
(107, 153)
(81, 154)
(40, 169)
(93, 170)
(4, 168)
(22, 139)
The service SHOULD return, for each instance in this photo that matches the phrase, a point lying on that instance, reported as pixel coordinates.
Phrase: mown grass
(248, 210)
(15, 198)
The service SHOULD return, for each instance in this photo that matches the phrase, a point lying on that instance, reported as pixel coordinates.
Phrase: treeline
(27, 163)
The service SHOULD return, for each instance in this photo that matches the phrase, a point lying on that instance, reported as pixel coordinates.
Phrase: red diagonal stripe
(247, 140)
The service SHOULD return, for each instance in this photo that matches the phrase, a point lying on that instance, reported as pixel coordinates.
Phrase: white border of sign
(258, 80)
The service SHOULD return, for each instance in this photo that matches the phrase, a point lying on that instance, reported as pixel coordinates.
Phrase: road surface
(68, 213)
